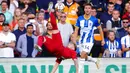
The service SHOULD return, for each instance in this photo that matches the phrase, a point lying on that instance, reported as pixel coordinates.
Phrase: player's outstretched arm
(55, 67)
(76, 65)
(53, 21)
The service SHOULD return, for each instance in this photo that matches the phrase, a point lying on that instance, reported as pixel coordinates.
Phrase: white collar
(114, 20)
(69, 3)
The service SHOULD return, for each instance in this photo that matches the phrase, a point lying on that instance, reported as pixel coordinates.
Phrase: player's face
(115, 14)
(87, 9)
(49, 26)
(111, 36)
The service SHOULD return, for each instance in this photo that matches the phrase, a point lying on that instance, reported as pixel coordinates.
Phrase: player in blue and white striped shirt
(112, 46)
(125, 42)
(86, 24)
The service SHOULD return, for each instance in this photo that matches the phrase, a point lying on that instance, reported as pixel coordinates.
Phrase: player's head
(87, 8)
(49, 26)
(111, 35)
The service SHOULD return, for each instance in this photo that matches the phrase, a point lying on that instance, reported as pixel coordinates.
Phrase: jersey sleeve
(58, 60)
(53, 21)
(123, 40)
(40, 41)
(78, 23)
(96, 22)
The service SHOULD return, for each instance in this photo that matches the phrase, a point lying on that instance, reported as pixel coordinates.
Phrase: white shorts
(86, 47)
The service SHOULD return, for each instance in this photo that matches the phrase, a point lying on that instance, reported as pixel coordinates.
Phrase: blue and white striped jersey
(87, 28)
(113, 47)
(126, 41)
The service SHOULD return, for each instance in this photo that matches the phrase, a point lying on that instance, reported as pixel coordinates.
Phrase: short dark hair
(94, 8)
(87, 4)
(29, 25)
(4, 2)
(5, 24)
(110, 3)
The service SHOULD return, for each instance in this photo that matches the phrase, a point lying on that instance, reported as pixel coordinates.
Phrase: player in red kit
(53, 42)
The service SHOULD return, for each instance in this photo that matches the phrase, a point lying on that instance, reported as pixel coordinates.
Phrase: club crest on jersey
(90, 23)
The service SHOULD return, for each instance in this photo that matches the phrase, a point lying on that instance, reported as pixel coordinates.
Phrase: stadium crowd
(23, 21)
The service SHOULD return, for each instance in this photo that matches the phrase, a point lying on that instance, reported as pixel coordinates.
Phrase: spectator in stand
(21, 29)
(2, 20)
(24, 15)
(125, 42)
(13, 5)
(96, 49)
(65, 29)
(5, 11)
(106, 16)
(17, 15)
(112, 46)
(7, 42)
(127, 14)
(41, 22)
(43, 4)
(118, 6)
(26, 6)
(100, 5)
(122, 31)
(115, 22)
(71, 9)
(126, 8)
(18, 32)
(32, 19)
(27, 43)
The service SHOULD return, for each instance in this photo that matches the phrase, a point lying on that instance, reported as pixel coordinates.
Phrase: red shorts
(67, 54)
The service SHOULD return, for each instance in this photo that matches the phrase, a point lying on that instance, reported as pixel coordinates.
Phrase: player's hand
(102, 42)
